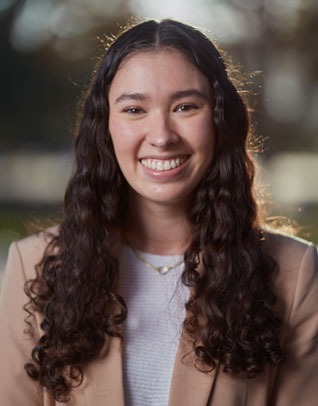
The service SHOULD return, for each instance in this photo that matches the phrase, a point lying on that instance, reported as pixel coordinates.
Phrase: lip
(165, 174)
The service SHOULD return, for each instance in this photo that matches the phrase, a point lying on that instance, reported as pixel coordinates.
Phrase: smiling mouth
(161, 165)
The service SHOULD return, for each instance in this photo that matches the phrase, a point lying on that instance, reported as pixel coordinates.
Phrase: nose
(161, 132)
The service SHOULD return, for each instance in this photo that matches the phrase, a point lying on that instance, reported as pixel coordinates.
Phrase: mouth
(161, 165)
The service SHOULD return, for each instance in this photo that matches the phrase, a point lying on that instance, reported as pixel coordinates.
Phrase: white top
(152, 330)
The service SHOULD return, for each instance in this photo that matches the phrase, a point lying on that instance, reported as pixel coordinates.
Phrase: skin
(161, 116)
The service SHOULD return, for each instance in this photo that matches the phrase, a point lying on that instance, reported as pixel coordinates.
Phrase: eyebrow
(130, 96)
(175, 96)
(189, 92)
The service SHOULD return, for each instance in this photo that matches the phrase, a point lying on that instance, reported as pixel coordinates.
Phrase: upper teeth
(163, 165)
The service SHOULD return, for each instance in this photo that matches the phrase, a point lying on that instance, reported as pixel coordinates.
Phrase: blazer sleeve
(16, 388)
(297, 378)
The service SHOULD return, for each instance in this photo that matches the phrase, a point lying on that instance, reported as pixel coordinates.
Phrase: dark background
(48, 51)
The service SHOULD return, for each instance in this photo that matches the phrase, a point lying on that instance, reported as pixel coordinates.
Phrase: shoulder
(296, 279)
(288, 251)
(30, 250)
(38, 240)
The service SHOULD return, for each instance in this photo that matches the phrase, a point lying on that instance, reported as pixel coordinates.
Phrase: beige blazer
(295, 383)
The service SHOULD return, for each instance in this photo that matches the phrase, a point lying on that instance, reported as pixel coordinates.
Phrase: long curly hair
(231, 315)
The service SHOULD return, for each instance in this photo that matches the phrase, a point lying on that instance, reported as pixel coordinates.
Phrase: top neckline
(151, 255)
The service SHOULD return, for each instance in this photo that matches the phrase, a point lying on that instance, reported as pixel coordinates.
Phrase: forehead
(163, 68)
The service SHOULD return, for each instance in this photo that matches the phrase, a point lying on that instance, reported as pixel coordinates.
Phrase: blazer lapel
(103, 378)
(190, 386)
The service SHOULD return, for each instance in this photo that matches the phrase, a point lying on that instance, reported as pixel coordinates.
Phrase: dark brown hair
(75, 287)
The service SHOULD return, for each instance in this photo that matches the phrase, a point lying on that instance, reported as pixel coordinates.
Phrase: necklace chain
(160, 269)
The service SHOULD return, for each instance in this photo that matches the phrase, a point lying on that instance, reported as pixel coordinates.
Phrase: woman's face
(161, 124)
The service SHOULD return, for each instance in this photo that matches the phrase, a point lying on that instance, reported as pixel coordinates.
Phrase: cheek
(121, 134)
(206, 144)
(204, 139)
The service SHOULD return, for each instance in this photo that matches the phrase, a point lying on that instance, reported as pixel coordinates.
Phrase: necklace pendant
(163, 269)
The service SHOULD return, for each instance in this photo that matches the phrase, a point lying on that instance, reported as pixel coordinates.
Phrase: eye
(133, 110)
(186, 107)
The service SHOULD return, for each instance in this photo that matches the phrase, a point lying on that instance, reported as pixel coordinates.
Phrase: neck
(158, 228)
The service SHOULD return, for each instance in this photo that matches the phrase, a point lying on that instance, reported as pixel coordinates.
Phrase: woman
(160, 285)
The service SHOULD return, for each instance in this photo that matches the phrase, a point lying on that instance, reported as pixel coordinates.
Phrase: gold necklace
(160, 269)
